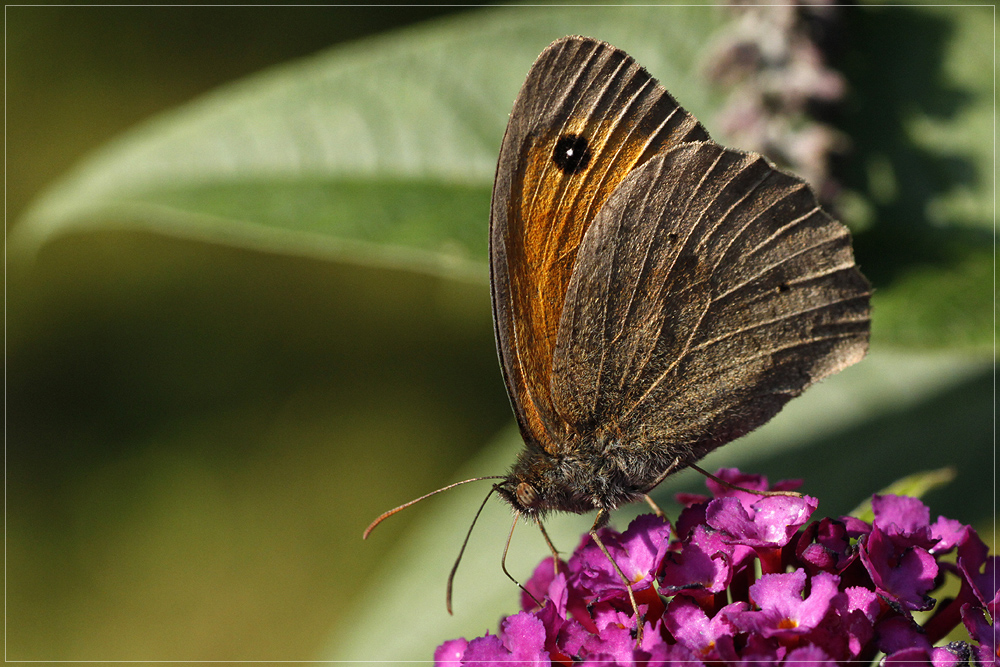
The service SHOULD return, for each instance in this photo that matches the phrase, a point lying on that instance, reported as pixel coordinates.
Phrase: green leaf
(382, 151)
(921, 124)
(916, 486)
(943, 305)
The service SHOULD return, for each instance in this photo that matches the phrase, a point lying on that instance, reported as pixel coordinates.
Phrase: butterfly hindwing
(709, 291)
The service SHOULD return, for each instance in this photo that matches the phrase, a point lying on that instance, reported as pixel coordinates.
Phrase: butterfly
(655, 294)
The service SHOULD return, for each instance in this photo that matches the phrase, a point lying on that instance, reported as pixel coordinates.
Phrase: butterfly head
(539, 483)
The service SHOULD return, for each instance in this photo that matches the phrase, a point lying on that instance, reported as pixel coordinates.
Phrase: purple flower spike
(592, 576)
(896, 633)
(836, 594)
(614, 641)
(909, 515)
(769, 522)
(543, 583)
(902, 570)
(524, 636)
(606, 615)
(847, 629)
(635, 551)
(979, 569)
(747, 481)
(758, 652)
(736, 479)
(948, 533)
(488, 650)
(783, 613)
(857, 619)
(914, 657)
(521, 640)
(449, 654)
(704, 565)
(693, 628)
(809, 656)
(671, 654)
(826, 546)
(645, 541)
(691, 517)
(981, 630)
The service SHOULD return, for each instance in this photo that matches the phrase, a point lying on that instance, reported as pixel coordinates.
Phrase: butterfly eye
(526, 494)
(572, 153)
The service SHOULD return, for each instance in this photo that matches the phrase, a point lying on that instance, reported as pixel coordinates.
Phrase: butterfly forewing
(586, 116)
(709, 291)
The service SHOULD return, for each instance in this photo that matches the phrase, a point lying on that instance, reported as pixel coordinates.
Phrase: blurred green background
(247, 310)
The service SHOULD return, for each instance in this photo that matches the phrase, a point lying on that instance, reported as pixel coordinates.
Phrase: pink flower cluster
(744, 578)
(777, 79)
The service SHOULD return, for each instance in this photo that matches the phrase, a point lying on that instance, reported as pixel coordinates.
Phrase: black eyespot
(571, 154)
(783, 287)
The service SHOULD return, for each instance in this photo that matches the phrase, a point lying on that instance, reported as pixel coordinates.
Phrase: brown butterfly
(655, 295)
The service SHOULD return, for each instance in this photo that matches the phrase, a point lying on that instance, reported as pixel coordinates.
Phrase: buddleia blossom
(773, 69)
(744, 578)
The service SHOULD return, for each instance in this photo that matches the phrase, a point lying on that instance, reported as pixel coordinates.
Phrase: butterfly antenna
(503, 560)
(454, 568)
(388, 514)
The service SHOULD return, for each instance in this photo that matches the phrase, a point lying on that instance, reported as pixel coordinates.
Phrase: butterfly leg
(723, 482)
(671, 469)
(602, 518)
(656, 508)
(552, 548)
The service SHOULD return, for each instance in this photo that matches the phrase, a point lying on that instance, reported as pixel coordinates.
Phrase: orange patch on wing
(546, 227)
